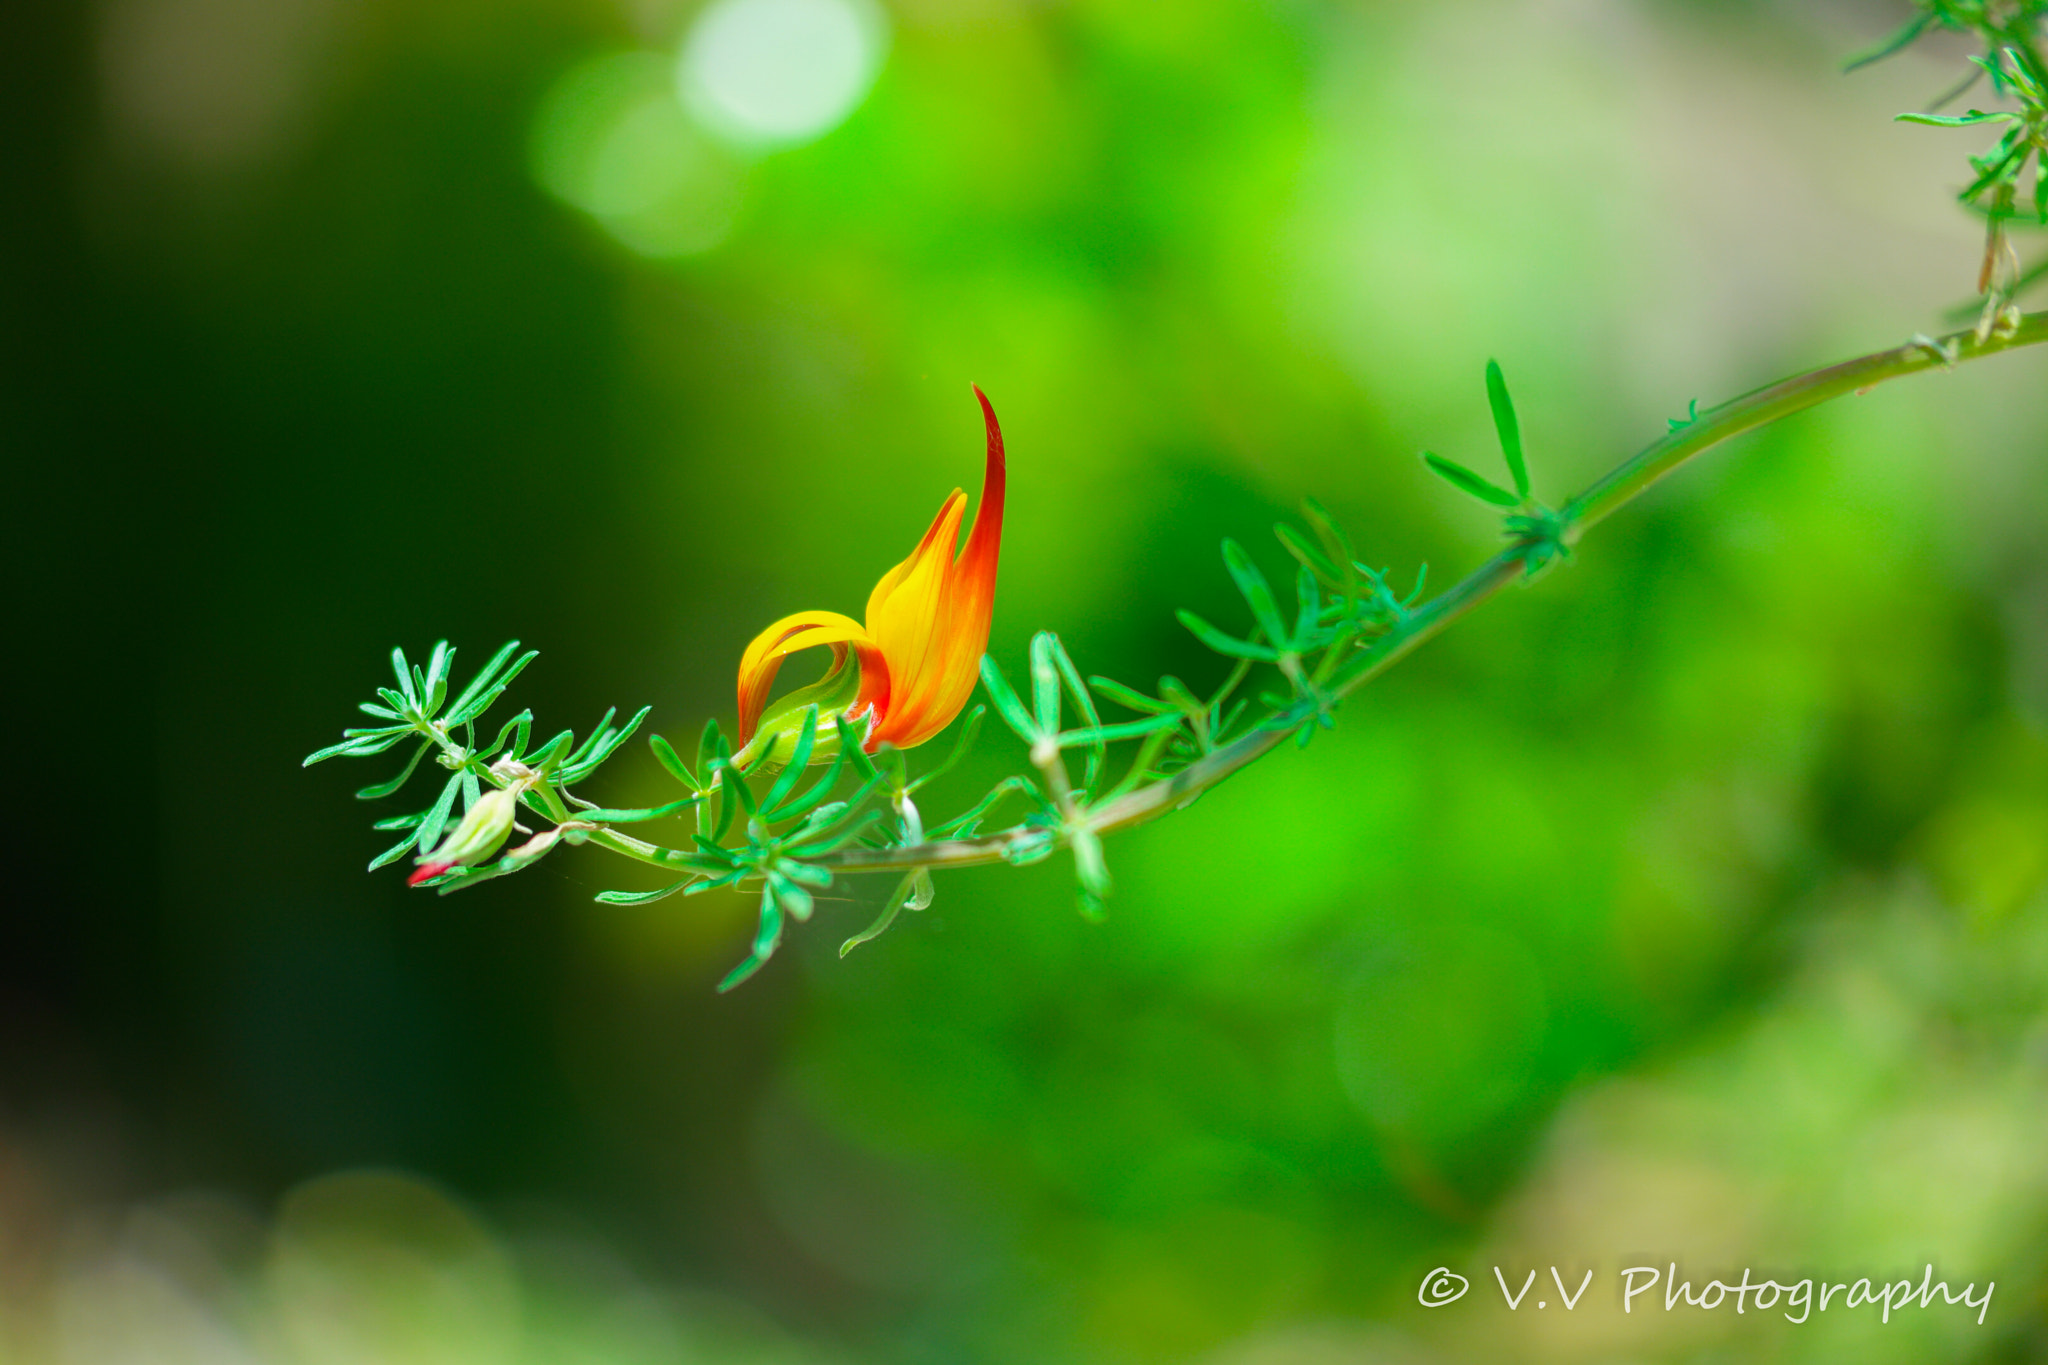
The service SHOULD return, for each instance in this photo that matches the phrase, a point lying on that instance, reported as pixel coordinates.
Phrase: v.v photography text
(1797, 1299)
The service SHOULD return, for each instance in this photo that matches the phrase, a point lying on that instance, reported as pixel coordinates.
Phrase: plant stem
(1619, 486)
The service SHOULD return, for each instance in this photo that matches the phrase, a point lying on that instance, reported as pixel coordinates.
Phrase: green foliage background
(1688, 906)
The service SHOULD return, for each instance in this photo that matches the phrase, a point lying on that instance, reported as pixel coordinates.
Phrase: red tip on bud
(426, 872)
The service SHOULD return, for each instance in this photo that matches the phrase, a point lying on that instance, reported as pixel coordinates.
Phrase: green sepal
(775, 738)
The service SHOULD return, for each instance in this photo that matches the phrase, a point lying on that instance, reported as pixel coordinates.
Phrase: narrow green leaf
(799, 759)
(438, 664)
(1307, 555)
(1091, 869)
(595, 756)
(1129, 729)
(1335, 545)
(709, 849)
(405, 677)
(551, 752)
(384, 789)
(642, 897)
(836, 841)
(850, 745)
(605, 815)
(1045, 682)
(1308, 609)
(732, 878)
(1257, 592)
(522, 724)
(1958, 120)
(711, 748)
(1224, 644)
(726, 779)
(485, 676)
(766, 936)
(1176, 691)
(395, 852)
(597, 734)
(1465, 481)
(898, 900)
(1007, 704)
(1128, 697)
(370, 708)
(666, 755)
(791, 897)
(1507, 426)
(1899, 40)
(969, 728)
(981, 807)
(401, 821)
(437, 815)
(476, 705)
(807, 874)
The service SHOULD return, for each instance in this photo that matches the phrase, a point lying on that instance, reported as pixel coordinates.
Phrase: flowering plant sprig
(2013, 66)
(755, 815)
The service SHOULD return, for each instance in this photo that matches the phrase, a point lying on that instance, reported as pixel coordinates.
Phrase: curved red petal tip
(427, 872)
(988, 416)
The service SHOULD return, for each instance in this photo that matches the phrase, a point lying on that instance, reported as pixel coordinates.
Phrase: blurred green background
(1686, 907)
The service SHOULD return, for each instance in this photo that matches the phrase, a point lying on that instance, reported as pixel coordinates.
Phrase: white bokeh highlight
(769, 74)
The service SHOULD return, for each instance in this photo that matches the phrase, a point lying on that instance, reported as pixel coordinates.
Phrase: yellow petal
(904, 607)
(804, 630)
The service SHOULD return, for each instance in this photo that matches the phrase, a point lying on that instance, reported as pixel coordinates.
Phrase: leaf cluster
(2012, 65)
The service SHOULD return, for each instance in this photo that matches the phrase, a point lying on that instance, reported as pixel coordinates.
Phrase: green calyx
(775, 742)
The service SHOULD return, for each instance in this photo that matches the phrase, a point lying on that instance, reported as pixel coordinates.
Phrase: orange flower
(917, 658)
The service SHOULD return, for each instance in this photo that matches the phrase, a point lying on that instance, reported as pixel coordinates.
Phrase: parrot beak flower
(907, 670)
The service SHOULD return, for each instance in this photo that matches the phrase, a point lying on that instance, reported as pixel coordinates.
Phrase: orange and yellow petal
(934, 683)
(806, 630)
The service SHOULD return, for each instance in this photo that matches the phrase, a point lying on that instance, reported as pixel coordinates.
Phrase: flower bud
(483, 830)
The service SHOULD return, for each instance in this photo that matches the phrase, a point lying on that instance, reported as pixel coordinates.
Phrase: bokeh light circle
(610, 139)
(764, 74)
